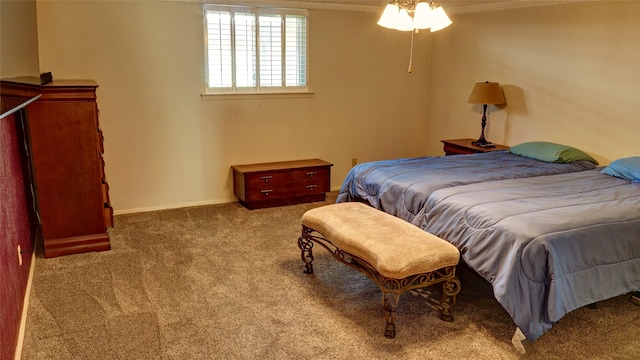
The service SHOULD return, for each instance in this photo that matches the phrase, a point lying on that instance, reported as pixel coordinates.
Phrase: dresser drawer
(282, 183)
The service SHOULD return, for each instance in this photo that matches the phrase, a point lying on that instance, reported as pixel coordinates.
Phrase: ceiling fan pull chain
(411, 55)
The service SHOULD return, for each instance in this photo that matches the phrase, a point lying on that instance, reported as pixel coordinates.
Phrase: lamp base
(483, 143)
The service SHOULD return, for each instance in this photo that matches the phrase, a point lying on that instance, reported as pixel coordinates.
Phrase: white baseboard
(180, 205)
(170, 206)
(25, 308)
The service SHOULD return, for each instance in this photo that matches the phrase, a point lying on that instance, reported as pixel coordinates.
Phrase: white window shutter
(253, 50)
(270, 34)
(296, 50)
(219, 49)
(245, 49)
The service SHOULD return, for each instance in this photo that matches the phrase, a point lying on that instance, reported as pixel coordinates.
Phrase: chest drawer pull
(311, 173)
(266, 192)
(311, 187)
(266, 178)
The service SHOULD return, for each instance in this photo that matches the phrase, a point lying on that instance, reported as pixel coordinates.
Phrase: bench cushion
(396, 248)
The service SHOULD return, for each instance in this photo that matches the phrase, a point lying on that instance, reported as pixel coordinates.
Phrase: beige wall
(570, 74)
(18, 38)
(165, 146)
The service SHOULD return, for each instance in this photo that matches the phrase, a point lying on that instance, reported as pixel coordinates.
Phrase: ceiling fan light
(389, 17)
(405, 22)
(422, 16)
(439, 19)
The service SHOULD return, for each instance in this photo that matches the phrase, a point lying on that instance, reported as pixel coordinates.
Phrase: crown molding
(513, 4)
(295, 4)
(337, 6)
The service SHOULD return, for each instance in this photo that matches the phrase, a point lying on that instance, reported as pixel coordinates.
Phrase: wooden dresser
(281, 183)
(67, 146)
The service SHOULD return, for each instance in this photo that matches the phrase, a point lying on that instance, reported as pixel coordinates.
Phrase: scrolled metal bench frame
(391, 288)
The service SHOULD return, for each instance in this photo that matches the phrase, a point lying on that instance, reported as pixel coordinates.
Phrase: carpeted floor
(223, 282)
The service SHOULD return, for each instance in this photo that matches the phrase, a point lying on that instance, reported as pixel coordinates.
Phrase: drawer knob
(266, 192)
(311, 187)
(311, 173)
(265, 178)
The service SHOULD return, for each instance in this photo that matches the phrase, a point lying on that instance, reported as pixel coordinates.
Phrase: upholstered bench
(395, 254)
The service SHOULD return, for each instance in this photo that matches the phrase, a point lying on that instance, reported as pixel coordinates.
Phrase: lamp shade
(439, 19)
(389, 17)
(405, 22)
(422, 16)
(486, 93)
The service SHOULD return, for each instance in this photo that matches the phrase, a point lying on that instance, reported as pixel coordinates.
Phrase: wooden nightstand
(463, 146)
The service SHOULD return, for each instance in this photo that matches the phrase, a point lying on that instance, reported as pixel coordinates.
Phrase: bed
(548, 244)
(401, 187)
(550, 233)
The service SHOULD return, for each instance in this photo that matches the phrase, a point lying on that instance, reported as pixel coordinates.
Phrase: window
(255, 50)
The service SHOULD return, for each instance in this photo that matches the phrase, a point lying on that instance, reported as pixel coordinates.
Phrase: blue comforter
(401, 186)
(548, 244)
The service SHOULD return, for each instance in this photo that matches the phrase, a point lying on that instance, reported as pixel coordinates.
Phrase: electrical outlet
(354, 162)
(19, 255)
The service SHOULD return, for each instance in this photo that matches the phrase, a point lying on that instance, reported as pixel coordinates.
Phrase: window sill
(257, 96)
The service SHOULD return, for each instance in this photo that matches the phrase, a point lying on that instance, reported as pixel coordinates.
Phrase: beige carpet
(223, 282)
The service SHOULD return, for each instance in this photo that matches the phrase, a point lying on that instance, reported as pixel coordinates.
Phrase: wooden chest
(281, 183)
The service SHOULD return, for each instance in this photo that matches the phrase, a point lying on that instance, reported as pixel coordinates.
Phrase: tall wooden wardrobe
(72, 192)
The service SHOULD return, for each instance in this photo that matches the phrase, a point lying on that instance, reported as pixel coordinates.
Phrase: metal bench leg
(450, 289)
(390, 305)
(305, 244)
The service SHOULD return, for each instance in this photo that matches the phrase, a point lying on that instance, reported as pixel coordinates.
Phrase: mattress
(547, 244)
(401, 187)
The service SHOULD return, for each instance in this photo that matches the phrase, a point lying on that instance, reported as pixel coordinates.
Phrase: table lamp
(485, 93)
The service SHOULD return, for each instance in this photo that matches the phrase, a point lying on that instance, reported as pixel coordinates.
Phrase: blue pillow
(626, 168)
(550, 152)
